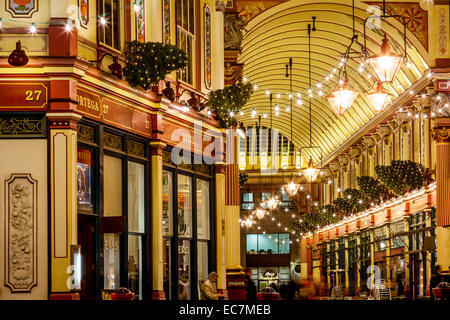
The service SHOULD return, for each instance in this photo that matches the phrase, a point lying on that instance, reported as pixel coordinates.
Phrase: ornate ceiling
(280, 32)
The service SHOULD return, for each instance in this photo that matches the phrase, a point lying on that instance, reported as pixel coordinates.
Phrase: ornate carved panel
(207, 34)
(21, 126)
(166, 21)
(86, 133)
(22, 8)
(20, 232)
(135, 148)
(112, 141)
(83, 12)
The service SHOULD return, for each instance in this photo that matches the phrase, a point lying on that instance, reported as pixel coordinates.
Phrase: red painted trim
(127, 21)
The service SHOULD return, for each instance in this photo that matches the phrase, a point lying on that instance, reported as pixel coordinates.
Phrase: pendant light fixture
(344, 95)
(379, 98)
(310, 172)
(386, 64)
(273, 202)
(291, 188)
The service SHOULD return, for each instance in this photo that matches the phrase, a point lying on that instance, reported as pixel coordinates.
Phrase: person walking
(251, 288)
(209, 288)
(436, 278)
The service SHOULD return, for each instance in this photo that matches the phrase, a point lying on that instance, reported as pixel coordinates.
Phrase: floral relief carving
(21, 255)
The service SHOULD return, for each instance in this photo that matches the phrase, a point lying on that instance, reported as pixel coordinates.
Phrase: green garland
(399, 178)
(402, 176)
(371, 188)
(243, 178)
(147, 63)
(227, 102)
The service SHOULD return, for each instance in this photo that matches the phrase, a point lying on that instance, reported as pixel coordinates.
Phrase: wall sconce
(18, 58)
(115, 67)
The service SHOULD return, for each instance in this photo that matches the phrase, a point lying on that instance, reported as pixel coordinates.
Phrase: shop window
(202, 261)
(283, 243)
(167, 203)
(112, 195)
(203, 211)
(136, 214)
(252, 243)
(184, 270)
(267, 244)
(84, 180)
(109, 33)
(184, 206)
(185, 35)
(167, 269)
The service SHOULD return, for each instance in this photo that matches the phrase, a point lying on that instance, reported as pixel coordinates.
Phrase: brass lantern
(386, 64)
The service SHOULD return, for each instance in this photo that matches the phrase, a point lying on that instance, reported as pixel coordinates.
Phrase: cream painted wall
(26, 156)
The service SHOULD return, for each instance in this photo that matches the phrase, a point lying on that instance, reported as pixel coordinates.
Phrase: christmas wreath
(147, 63)
(226, 103)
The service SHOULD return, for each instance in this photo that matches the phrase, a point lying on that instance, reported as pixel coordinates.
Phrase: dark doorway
(87, 240)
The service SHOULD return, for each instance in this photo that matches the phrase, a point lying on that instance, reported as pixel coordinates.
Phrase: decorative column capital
(220, 168)
(441, 134)
(157, 147)
(367, 141)
(63, 120)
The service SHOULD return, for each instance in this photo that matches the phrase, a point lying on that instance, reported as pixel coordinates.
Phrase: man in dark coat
(436, 278)
(251, 288)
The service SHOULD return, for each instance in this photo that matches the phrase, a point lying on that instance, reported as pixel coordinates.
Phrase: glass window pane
(267, 244)
(184, 206)
(136, 204)
(202, 254)
(283, 243)
(252, 243)
(248, 197)
(203, 209)
(112, 190)
(167, 203)
(184, 270)
(111, 263)
(84, 178)
(135, 265)
(167, 269)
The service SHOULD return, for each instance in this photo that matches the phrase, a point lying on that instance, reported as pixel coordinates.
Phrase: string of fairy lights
(328, 82)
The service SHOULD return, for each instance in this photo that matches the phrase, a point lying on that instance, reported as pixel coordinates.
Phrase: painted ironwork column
(157, 148)
(441, 134)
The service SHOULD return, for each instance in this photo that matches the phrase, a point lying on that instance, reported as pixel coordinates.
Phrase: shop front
(188, 206)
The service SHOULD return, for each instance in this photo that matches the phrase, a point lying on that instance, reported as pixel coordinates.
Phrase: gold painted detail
(86, 133)
(21, 126)
(112, 141)
(441, 134)
(135, 148)
(203, 168)
(21, 223)
(167, 157)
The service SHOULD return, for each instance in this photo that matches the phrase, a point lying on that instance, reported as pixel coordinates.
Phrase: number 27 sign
(23, 95)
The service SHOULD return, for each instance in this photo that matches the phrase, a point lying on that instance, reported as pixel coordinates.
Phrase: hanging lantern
(291, 188)
(345, 95)
(379, 99)
(334, 105)
(260, 213)
(310, 173)
(272, 203)
(386, 64)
